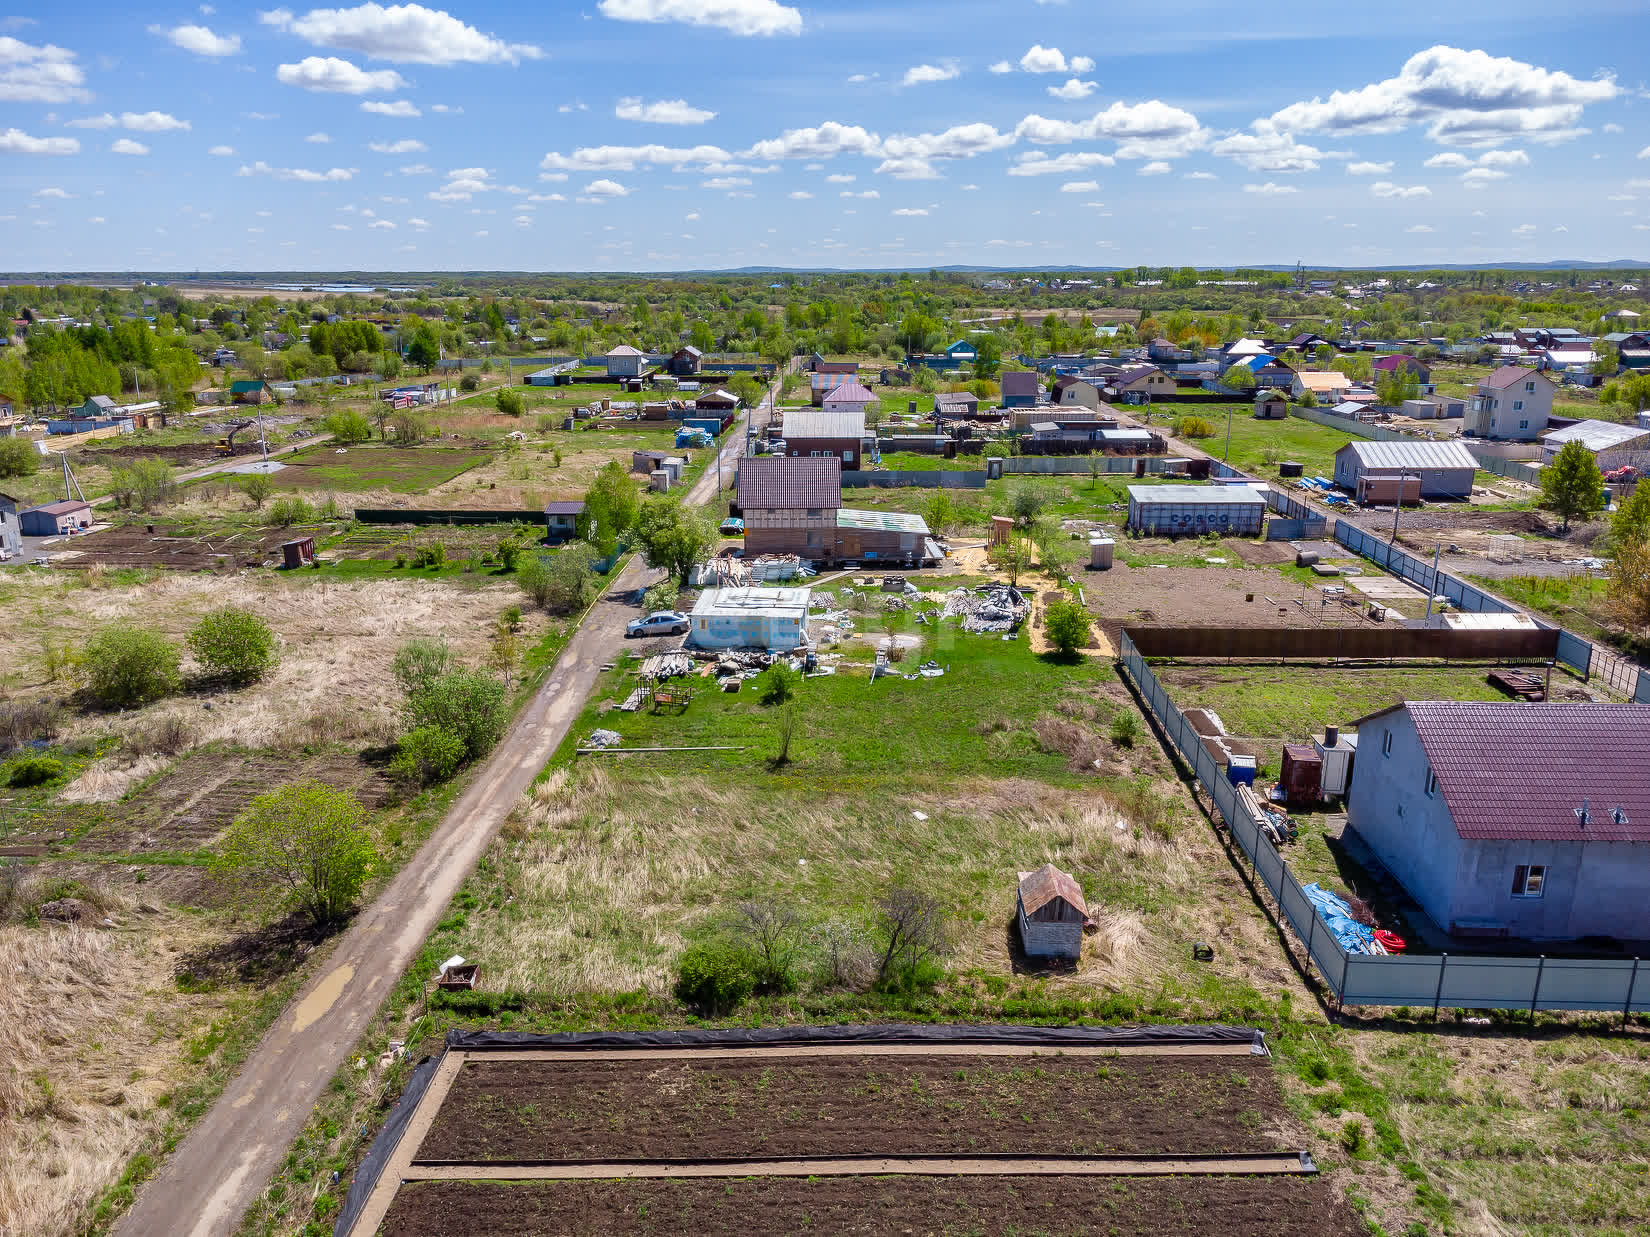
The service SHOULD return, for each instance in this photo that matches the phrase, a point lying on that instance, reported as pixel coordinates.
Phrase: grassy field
(399, 470)
(1256, 444)
(1578, 602)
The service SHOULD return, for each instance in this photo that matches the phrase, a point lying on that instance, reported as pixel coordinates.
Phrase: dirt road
(208, 1182)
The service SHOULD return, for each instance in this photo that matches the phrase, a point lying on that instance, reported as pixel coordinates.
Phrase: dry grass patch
(609, 873)
(337, 640)
(93, 1038)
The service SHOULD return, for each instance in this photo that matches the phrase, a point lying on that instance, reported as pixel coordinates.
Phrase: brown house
(794, 506)
(810, 434)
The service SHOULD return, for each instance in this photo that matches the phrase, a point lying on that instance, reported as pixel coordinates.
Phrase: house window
(1386, 743)
(1529, 388)
(1523, 425)
(1432, 782)
(813, 513)
(1529, 879)
(1518, 405)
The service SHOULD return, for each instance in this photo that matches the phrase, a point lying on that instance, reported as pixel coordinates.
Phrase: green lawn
(405, 470)
(1252, 441)
(1578, 602)
(1293, 702)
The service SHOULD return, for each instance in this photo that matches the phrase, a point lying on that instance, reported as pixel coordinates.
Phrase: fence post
(1346, 965)
(1438, 992)
(1535, 995)
(1627, 1005)
(1311, 932)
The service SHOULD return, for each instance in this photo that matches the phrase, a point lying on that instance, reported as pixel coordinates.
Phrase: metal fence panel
(1579, 983)
(1376, 979)
(1641, 694)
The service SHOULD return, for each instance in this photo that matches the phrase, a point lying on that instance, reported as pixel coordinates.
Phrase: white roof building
(1596, 436)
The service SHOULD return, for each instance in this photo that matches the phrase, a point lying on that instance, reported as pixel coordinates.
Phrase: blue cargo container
(1240, 771)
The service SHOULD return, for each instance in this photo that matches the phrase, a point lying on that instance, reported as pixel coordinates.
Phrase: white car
(660, 623)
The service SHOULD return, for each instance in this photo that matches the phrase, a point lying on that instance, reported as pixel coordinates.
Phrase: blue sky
(678, 134)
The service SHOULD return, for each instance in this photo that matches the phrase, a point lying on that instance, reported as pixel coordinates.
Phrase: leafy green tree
(1393, 388)
(988, 356)
(426, 755)
(233, 644)
(611, 505)
(1572, 484)
(1630, 392)
(1026, 502)
(141, 484)
(1631, 521)
(18, 457)
(1238, 378)
(673, 538)
(307, 842)
(1067, 625)
(424, 349)
(564, 583)
(127, 666)
(258, 487)
(510, 402)
(348, 426)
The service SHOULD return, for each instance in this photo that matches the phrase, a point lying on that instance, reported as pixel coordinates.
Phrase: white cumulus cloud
(1386, 189)
(1156, 168)
(1040, 59)
(747, 18)
(221, 151)
(1270, 188)
(1465, 98)
(664, 112)
(1366, 167)
(406, 146)
(1074, 89)
(43, 74)
(820, 142)
(605, 188)
(151, 122)
(330, 75)
(799, 195)
(919, 74)
(306, 175)
(401, 33)
(628, 158)
(320, 139)
(1003, 66)
(200, 40)
(1149, 130)
(1080, 186)
(107, 120)
(400, 109)
(1039, 163)
(126, 146)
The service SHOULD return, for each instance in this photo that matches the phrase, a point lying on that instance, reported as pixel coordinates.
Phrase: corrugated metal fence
(1066, 465)
(1511, 469)
(1472, 982)
(929, 478)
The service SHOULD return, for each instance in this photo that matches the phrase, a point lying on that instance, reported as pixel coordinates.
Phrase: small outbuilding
(1051, 914)
(250, 391)
(1271, 406)
(1445, 468)
(55, 519)
(561, 518)
(1192, 510)
(751, 618)
(625, 362)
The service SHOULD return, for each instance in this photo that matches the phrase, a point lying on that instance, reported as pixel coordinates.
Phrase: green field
(1255, 442)
(404, 470)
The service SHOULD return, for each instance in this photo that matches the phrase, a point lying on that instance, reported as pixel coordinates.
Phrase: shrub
(1195, 427)
(430, 554)
(233, 644)
(510, 402)
(285, 512)
(306, 840)
(564, 584)
(22, 721)
(348, 426)
(912, 932)
(467, 704)
(778, 683)
(34, 771)
(258, 487)
(714, 976)
(426, 755)
(129, 666)
(469, 382)
(420, 662)
(141, 484)
(1125, 729)
(508, 552)
(1067, 626)
(662, 596)
(409, 427)
(18, 457)
(511, 618)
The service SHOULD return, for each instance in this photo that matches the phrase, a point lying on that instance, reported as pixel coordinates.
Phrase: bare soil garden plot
(1182, 596)
(731, 1108)
(181, 547)
(405, 470)
(1134, 1207)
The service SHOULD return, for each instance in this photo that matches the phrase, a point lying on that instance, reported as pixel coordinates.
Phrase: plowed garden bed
(1132, 1207)
(766, 1107)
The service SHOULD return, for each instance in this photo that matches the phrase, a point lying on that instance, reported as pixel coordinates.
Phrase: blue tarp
(1337, 915)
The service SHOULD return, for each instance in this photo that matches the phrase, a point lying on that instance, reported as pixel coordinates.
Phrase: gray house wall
(1591, 888)
(1388, 805)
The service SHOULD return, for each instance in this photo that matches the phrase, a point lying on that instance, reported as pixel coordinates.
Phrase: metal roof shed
(745, 618)
(1445, 468)
(1191, 510)
(1051, 912)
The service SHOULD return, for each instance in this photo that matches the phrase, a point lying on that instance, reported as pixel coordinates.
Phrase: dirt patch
(176, 453)
(178, 547)
(1198, 596)
(1123, 1207)
(620, 1110)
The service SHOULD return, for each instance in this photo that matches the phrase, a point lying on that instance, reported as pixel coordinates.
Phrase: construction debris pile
(667, 666)
(731, 572)
(988, 608)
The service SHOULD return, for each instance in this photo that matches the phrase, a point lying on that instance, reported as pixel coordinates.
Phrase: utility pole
(1437, 549)
(1227, 458)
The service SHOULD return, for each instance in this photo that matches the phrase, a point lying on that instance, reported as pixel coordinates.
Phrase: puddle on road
(318, 1002)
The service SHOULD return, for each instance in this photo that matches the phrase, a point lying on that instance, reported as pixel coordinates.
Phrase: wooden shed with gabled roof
(1052, 913)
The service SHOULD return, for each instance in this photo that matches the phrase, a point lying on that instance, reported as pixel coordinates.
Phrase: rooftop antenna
(1584, 813)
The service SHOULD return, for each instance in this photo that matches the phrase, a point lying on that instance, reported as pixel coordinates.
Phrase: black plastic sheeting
(372, 1164)
(891, 1033)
